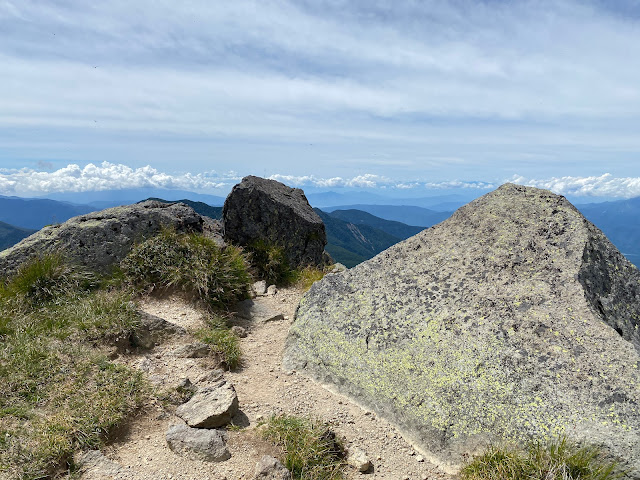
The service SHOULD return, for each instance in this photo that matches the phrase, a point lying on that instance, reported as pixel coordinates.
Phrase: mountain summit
(514, 319)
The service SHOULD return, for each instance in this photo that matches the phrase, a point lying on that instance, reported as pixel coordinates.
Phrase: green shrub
(191, 263)
(222, 341)
(556, 460)
(310, 449)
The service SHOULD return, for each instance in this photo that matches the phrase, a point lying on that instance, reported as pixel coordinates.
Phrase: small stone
(211, 407)
(260, 287)
(269, 468)
(358, 459)
(420, 458)
(239, 331)
(198, 444)
(272, 290)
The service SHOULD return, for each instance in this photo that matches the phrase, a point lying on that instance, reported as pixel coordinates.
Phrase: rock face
(99, 240)
(258, 208)
(514, 319)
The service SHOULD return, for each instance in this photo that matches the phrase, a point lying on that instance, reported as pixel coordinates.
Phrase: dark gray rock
(261, 209)
(100, 240)
(210, 407)
(514, 319)
(270, 468)
(198, 443)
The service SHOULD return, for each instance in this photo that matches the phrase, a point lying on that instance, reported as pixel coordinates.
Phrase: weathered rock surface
(100, 240)
(515, 318)
(198, 443)
(261, 209)
(269, 468)
(258, 311)
(210, 407)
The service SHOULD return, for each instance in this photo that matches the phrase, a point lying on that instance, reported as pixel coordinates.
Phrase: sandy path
(263, 388)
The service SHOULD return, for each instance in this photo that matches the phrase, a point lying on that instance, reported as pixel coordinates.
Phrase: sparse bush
(556, 460)
(222, 341)
(310, 449)
(270, 263)
(191, 263)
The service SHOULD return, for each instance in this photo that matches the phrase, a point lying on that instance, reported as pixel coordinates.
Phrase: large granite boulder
(514, 319)
(260, 209)
(101, 239)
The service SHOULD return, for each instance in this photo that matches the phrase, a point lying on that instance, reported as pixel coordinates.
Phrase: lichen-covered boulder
(258, 209)
(100, 240)
(514, 319)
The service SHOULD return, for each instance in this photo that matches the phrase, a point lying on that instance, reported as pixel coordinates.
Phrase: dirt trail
(263, 389)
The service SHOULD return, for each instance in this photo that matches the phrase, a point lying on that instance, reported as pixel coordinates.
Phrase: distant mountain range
(407, 214)
(355, 232)
(10, 235)
(35, 213)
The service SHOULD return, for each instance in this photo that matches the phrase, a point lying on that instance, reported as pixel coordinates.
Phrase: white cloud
(107, 176)
(596, 186)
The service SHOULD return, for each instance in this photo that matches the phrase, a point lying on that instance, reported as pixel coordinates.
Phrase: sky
(397, 95)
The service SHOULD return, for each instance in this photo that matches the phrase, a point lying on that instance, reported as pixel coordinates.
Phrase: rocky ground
(140, 451)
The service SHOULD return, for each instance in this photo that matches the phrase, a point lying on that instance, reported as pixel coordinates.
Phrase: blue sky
(402, 95)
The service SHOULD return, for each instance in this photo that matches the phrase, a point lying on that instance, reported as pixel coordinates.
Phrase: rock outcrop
(101, 239)
(514, 319)
(260, 209)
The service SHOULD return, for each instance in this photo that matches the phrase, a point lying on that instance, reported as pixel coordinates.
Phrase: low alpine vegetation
(270, 263)
(192, 263)
(59, 393)
(556, 460)
(310, 450)
(222, 341)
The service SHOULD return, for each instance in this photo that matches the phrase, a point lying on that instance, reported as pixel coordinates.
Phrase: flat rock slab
(100, 466)
(198, 443)
(211, 407)
(258, 311)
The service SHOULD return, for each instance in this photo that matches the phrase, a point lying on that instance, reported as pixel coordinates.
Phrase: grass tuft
(222, 341)
(270, 263)
(310, 449)
(191, 263)
(307, 276)
(556, 460)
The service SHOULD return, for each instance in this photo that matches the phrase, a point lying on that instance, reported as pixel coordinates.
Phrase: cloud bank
(110, 176)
